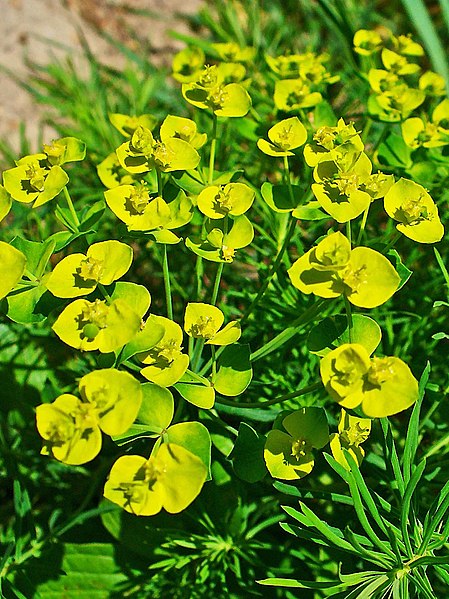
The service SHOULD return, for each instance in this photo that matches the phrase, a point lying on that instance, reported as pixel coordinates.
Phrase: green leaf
(202, 396)
(145, 339)
(394, 152)
(37, 253)
(278, 197)
(311, 211)
(411, 440)
(136, 296)
(194, 437)
(247, 454)
(88, 570)
(24, 307)
(234, 372)
(333, 331)
(92, 216)
(157, 408)
(324, 115)
(300, 584)
(400, 267)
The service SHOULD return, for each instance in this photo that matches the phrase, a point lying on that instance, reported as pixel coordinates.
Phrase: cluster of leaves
(167, 415)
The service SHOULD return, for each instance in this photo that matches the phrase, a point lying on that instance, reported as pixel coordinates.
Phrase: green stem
(271, 402)
(71, 206)
(393, 240)
(272, 272)
(159, 183)
(362, 225)
(213, 147)
(217, 283)
(199, 344)
(199, 276)
(220, 267)
(166, 273)
(349, 318)
(367, 128)
(349, 232)
(104, 293)
(214, 362)
(290, 331)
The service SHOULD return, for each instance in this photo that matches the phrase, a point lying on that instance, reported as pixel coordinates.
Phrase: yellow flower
(79, 274)
(170, 479)
(285, 136)
(71, 427)
(352, 432)
(367, 42)
(187, 64)
(217, 201)
(380, 387)
(165, 361)
(210, 92)
(288, 455)
(331, 269)
(203, 321)
(293, 94)
(413, 208)
(342, 144)
(339, 190)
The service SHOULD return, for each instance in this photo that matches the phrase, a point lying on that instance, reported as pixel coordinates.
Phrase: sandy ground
(27, 25)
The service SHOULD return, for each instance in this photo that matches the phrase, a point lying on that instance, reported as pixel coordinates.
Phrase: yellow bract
(187, 64)
(71, 427)
(352, 431)
(217, 201)
(79, 274)
(411, 205)
(166, 362)
(285, 136)
(378, 386)
(12, 267)
(331, 269)
(339, 191)
(170, 479)
(367, 42)
(341, 144)
(203, 321)
(293, 94)
(210, 91)
(288, 455)
(97, 325)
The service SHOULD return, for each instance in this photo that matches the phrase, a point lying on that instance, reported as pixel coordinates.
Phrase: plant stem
(272, 272)
(271, 402)
(199, 344)
(349, 318)
(290, 331)
(213, 301)
(362, 225)
(166, 273)
(71, 206)
(213, 147)
(104, 293)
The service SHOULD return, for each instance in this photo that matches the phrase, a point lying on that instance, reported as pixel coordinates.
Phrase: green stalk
(71, 206)
(290, 331)
(271, 402)
(213, 301)
(213, 147)
(349, 318)
(272, 272)
(362, 225)
(281, 250)
(166, 273)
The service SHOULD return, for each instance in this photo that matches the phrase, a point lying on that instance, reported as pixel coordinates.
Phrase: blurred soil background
(38, 31)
